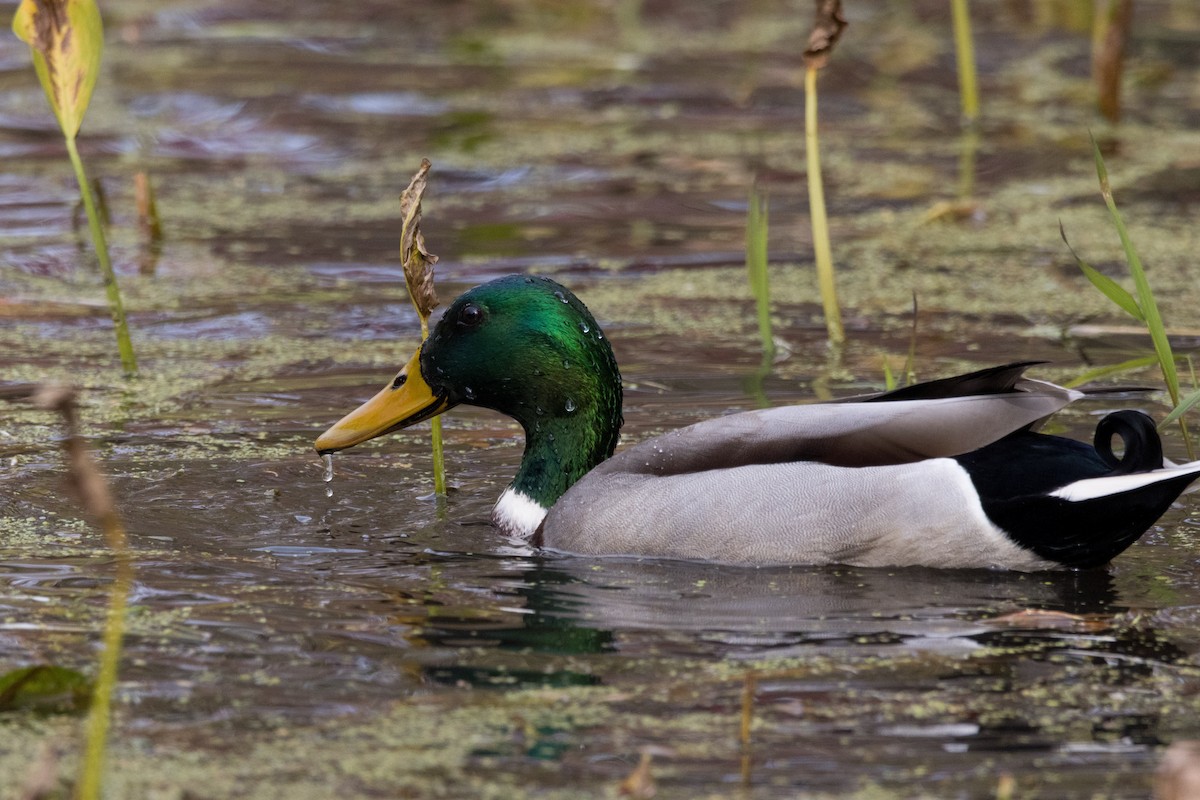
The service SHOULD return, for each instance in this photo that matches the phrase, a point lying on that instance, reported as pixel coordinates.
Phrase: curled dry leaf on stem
(417, 261)
(827, 29)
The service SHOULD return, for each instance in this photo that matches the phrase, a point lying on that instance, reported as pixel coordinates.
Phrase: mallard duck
(948, 473)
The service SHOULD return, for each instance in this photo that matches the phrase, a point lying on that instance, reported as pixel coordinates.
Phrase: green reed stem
(1145, 296)
(756, 267)
(115, 307)
(965, 49)
(820, 223)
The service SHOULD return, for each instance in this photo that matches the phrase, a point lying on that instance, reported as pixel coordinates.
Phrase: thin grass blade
(1145, 296)
(1141, 362)
(1186, 405)
(1107, 286)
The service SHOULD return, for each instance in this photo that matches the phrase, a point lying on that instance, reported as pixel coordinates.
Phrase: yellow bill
(405, 401)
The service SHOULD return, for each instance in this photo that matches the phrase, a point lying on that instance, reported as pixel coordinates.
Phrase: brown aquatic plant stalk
(149, 222)
(749, 690)
(826, 30)
(1109, 36)
(749, 687)
(90, 489)
(418, 275)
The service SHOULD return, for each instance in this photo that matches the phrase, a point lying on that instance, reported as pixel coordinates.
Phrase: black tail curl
(1139, 439)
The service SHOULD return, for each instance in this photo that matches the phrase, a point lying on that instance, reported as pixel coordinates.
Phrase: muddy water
(378, 642)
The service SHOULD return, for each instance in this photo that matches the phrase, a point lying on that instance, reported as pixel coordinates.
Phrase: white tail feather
(1095, 488)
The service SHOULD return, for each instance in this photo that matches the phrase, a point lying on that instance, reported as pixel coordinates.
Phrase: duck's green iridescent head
(524, 346)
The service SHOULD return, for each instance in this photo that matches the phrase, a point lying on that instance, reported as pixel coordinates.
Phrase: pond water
(381, 643)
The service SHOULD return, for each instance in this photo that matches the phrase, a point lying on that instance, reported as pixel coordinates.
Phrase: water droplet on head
(539, 411)
(468, 393)
(566, 364)
(562, 297)
(583, 326)
(569, 405)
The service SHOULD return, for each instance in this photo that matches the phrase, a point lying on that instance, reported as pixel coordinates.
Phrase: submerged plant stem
(124, 345)
(92, 491)
(435, 433)
(91, 774)
(822, 250)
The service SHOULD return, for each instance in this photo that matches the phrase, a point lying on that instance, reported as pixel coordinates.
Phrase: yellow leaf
(66, 37)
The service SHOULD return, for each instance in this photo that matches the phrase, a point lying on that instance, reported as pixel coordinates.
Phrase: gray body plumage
(868, 484)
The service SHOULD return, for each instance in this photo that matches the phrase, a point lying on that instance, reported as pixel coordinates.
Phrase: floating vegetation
(44, 688)
(66, 39)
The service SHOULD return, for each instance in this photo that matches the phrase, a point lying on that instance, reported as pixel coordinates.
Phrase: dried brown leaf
(827, 29)
(1042, 619)
(414, 257)
(639, 784)
(952, 211)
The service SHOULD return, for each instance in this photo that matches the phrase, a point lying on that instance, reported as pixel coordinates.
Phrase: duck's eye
(470, 315)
